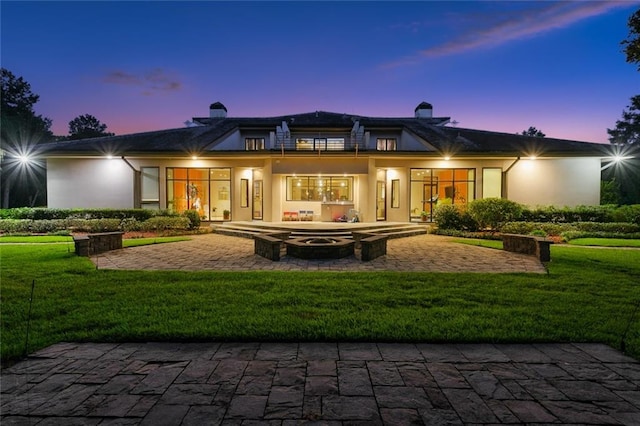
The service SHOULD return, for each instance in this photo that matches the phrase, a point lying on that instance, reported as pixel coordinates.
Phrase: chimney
(424, 110)
(217, 110)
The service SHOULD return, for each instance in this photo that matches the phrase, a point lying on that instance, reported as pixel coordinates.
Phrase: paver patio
(427, 253)
(322, 383)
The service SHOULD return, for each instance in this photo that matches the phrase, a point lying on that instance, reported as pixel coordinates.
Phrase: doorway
(381, 201)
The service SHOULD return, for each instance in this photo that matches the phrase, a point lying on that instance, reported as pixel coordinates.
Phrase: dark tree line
(621, 179)
(23, 133)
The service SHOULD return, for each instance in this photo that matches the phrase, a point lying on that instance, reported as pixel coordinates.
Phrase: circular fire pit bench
(319, 248)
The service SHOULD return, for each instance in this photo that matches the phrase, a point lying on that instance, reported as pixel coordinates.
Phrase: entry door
(429, 199)
(381, 200)
(257, 200)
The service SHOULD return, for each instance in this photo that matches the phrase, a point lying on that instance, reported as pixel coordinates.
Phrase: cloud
(151, 82)
(499, 29)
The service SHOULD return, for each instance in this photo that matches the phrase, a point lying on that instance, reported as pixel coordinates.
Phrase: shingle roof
(446, 140)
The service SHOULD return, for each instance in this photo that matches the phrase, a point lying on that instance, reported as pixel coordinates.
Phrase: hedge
(572, 235)
(52, 214)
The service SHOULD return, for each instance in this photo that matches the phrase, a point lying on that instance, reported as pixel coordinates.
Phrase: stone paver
(421, 253)
(321, 383)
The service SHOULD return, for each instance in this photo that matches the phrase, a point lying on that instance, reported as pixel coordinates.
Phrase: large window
(204, 190)
(430, 187)
(150, 187)
(492, 183)
(322, 144)
(314, 188)
(388, 144)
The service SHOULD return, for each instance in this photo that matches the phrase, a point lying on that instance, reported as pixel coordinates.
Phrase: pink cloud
(151, 82)
(527, 24)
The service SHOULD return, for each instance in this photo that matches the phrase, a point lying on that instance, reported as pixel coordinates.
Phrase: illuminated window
(492, 183)
(314, 188)
(254, 144)
(387, 144)
(431, 187)
(206, 190)
(322, 144)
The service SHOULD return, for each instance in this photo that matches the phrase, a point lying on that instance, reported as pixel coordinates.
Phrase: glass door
(429, 199)
(257, 200)
(381, 202)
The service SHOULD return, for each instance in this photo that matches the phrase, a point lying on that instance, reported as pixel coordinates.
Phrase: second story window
(387, 144)
(253, 144)
(322, 144)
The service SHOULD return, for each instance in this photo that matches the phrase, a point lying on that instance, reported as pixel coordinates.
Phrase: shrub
(630, 213)
(163, 223)
(525, 228)
(130, 224)
(449, 216)
(51, 214)
(94, 225)
(14, 226)
(569, 214)
(538, 233)
(493, 212)
(194, 218)
(617, 227)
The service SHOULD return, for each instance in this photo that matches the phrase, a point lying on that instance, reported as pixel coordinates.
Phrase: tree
(625, 169)
(87, 126)
(627, 130)
(23, 179)
(632, 43)
(532, 131)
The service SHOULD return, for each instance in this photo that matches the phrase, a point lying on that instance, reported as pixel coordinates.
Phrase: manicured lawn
(589, 295)
(35, 239)
(605, 242)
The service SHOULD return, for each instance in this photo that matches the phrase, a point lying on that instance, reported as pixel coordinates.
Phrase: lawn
(589, 295)
(605, 242)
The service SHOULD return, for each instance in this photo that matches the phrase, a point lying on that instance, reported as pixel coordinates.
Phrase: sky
(500, 66)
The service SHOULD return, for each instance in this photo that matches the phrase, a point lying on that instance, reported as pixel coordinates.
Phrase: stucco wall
(559, 182)
(89, 183)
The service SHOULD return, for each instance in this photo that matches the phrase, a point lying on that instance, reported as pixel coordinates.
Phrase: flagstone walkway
(422, 253)
(321, 384)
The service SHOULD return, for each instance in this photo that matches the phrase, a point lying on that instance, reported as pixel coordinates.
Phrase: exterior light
(447, 158)
(109, 157)
(23, 158)
(194, 157)
(533, 157)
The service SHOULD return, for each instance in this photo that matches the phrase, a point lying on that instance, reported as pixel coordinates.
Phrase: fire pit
(319, 248)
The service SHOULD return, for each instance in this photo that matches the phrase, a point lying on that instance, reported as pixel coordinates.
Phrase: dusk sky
(501, 66)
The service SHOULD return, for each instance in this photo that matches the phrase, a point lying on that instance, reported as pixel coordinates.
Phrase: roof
(208, 131)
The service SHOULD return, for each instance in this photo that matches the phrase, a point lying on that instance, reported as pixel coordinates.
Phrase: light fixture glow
(109, 157)
(23, 158)
(447, 158)
(194, 157)
(533, 157)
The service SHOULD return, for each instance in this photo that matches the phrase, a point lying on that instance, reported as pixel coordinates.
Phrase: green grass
(495, 244)
(35, 239)
(39, 239)
(133, 242)
(605, 242)
(588, 296)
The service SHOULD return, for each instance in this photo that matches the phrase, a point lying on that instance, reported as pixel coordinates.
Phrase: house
(319, 166)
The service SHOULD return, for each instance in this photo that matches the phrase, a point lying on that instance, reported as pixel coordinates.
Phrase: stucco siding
(559, 182)
(89, 183)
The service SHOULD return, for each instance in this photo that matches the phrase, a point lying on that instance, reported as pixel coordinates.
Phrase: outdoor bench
(269, 245)
(87, 245)
(359, 235)
(372, 247)
(528, 244)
